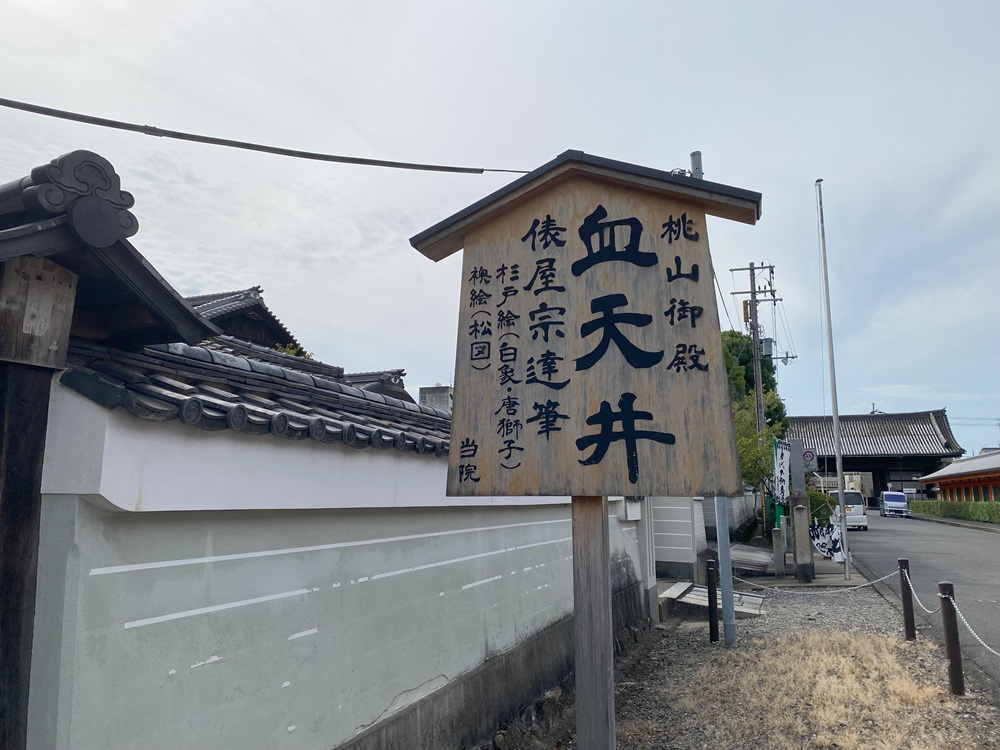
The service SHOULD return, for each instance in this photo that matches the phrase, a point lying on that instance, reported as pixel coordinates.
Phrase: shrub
(988, 512)
(821, 506)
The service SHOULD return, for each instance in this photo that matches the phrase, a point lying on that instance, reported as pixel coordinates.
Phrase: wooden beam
(595, 668)
(36, 310)
(24, 406)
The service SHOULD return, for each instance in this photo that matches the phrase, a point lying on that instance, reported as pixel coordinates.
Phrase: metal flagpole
(837, 444)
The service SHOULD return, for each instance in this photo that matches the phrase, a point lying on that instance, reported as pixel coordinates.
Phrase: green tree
(754, 447)
(738, 350)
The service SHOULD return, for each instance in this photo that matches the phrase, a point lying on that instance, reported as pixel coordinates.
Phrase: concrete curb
(989, 528)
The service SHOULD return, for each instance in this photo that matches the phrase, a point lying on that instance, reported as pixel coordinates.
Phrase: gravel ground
(671, 687)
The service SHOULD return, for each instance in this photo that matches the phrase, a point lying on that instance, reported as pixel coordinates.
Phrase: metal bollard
(713, 601)
(906, 595)
(950, 621)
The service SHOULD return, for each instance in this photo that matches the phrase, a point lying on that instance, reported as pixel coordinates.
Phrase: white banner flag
(782, 459)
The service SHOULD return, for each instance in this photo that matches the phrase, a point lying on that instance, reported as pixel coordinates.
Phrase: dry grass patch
(816, 689)
(843, 690)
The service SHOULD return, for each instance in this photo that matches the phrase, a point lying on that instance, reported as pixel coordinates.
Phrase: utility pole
(755, 336)
(750, 316)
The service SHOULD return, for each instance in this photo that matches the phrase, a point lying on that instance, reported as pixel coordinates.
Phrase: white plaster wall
(266, 609)
(674, 529)
(133, 465)
(739, 509)
(290, 629)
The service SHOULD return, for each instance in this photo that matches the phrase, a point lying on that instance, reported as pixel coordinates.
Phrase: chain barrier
(838, 590)
(914, 592)
(967, 625)
(844, 589)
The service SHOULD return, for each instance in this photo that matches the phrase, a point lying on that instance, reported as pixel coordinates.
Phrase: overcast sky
(896, 105)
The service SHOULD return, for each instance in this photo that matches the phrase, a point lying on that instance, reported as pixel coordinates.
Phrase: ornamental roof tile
(923, 433)
(228, 384)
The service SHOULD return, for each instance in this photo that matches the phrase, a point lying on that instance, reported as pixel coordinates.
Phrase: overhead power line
(181, 136)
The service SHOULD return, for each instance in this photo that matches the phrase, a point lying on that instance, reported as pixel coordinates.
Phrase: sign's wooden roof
(448, 236)
(922, 433)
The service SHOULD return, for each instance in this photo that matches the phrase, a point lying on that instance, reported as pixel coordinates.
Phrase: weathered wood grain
(36, 311)
(595, 689)
(686, 402)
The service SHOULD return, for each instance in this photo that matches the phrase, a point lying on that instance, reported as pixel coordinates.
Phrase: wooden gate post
(36, 308)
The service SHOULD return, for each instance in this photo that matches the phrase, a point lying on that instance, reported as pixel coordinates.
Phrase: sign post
(589, 362)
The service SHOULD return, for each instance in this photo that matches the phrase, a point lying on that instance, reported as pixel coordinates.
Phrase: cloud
(898, 112)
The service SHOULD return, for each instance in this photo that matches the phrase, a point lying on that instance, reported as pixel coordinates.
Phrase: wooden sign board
(589, 358)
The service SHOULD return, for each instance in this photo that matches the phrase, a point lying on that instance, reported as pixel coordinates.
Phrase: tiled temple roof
(221, 304)
(984, 463)
(227, 384)
(922, 433)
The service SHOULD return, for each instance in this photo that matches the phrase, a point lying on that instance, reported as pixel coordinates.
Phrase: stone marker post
(804, 567)
(778, 544)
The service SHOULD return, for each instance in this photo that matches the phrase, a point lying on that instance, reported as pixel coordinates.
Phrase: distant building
(974, 479)
(438, 397)
(897, 449)
(243, 315)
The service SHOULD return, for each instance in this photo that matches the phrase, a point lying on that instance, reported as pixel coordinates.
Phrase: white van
(894, 504)
(854, 505)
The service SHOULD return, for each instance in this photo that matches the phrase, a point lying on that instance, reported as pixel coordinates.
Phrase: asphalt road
(968, 557)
